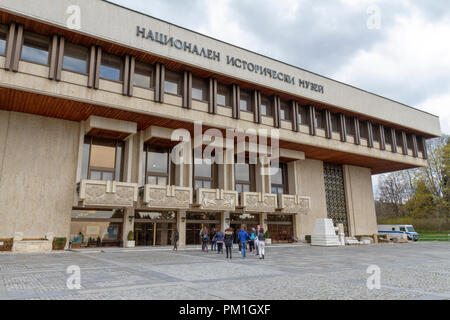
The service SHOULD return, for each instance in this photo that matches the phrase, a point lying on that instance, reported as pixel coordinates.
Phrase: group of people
(255, 240)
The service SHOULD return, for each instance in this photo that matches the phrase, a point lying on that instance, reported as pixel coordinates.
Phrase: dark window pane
(376, 133)
(143, 75)
(278, 177)
(335, 123)
(3, 33)
(111, 67)
(284, 111)
(85, 163)
(172, 83)
(223, 95)
(388, 135)
(303, 115)
(350, 126)
(245, 102)
(199, 89)
(319, 120)
(35, 48)
(363, 130)
(266, 106)
(75, 58)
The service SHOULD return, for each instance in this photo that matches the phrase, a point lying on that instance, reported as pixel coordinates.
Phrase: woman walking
(205, 237)
(228, 239)
(261, 243)
(257, 239)
(251, 241)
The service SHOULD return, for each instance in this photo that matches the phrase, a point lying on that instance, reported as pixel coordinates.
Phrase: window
(285, 113)
(279, 180)
(199, 89)
(335, 122)
(388, 135)
(172, 83)
(245, 101)
(3, 33)
(364, 130)
(350, 126)
(143, 75)
(399, 138)
(35, 48)
(223, 95)
(302, 115)
(244, 177)
(266, 106)
(102, 159)
(409, 141)
(111, 67)
(204, 175)
(376, 132)
(75, 58)
(157, 165)
(319, 119)
(420, 144)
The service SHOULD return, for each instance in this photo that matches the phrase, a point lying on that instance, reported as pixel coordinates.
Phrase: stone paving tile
(408, 271)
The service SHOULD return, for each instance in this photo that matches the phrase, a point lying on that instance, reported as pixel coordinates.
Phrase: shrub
(267, 234)
(131, 236)
(308, 238)
(59, 243)
(7, 244)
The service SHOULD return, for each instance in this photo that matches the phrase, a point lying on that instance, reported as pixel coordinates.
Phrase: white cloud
(410, 66)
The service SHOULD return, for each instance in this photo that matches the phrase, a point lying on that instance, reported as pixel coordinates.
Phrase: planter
(131, 244)
(6, 244)
(59, 243)
(268, 242)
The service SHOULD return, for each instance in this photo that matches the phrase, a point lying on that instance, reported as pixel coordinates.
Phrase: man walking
(257, 239)
(243, 237)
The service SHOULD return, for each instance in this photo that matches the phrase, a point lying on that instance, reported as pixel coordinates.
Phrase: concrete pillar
(128, 161)
(127, 225)
(164, 233)
(224, 220)
(263, 221)
(181, 227)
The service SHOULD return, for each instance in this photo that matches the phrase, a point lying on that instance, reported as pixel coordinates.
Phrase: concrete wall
(360, 201)
(115, 24)
(310, 182)
(38, 158)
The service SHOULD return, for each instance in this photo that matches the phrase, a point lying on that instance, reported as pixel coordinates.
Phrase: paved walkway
(408, 271)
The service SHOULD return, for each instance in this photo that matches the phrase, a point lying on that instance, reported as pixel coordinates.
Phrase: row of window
(76, 59)
(103, 160)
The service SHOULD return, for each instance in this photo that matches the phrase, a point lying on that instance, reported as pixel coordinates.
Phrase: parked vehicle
(398, 229)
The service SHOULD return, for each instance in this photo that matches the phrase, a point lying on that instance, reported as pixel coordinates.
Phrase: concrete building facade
(95, 98)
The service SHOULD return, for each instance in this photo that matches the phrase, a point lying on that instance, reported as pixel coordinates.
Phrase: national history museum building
(95, 98)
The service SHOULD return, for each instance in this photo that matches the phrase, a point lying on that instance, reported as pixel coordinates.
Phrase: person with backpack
(228, 240)
(261, 243)
(256, 239)
(219, 239)
(243, 238)
(251, 241)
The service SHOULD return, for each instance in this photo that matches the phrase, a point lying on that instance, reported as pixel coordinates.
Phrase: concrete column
(128, 161)
(141, 164)
(127, 225)
(262, 221)
(292, 177)
(181, 227)
(224, 216)
(164, 233)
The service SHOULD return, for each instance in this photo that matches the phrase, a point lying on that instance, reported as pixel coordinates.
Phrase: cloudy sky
(397, 49)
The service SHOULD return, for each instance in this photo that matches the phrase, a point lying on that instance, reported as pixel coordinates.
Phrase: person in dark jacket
(262, 243)
(228, 239)
(219, 240)
(243, 237)
(176, 237)
(204, 236)
(256, 238)
(212, 237)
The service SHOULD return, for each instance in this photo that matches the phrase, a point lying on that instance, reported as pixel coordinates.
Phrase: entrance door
(154, 233)
(281, 232)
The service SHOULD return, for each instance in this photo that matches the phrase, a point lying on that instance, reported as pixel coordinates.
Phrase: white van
(396, 230)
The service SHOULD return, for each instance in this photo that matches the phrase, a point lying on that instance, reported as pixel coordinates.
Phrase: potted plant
(268, 239)
(131, 243)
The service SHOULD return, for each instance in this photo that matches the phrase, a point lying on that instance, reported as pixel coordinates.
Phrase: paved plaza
(408, 271)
